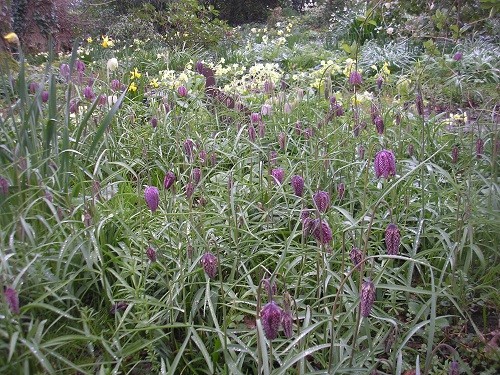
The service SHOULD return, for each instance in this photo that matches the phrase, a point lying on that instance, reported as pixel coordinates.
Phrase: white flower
(390, 30)
(112, 64)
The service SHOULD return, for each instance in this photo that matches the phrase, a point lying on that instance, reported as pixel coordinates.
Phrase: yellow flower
(11, 38)
(107, 42)
(132, 87)
(154, 83)
(385, 69)
(89, 40)
(135, 74)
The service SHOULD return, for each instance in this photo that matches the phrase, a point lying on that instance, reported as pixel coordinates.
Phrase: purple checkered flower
(392, 239)
(367, 298)
(151, 254)
(321, 231)
(355, 78)
(12, 299)
(271, 315)
(152, 197)
(297, 183)
(385, 164)
(278, 175)
(169, 180)
(356, 255)
(321, 200)
(209, 263)
(4, 186)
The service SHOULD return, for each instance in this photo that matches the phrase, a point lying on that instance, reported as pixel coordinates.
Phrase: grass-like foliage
(335, 215)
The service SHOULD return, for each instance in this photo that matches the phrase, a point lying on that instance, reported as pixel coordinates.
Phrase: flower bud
(367, 298)
(169, 180)
(151, 254)
(356, 256)
(392, 239)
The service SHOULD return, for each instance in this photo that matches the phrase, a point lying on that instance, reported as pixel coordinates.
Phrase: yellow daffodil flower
(107, 42)
(154, 83)
(90, 40)
(132, 87)
(11, 38)
(135, 74)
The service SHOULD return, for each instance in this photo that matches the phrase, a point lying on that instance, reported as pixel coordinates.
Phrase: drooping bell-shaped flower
(297, 183)
(458, 56)
(321, 231)
(341, 190)
(367, 298)
(182, 91)
(379, 124)
(392, 239)
(255, 118)
(33, 87)
(282, 140)
(271, 315)
(196, 175)
(188, 148)
(385, 164)
(115, 85)
(355, 78)
(152, 197)
(12, 299)
(80, 66)
(321, 200)
(151, 254)
(419, 104)
(278, 175)
(287, 318)
(252, 133)
(454, 154)
(169, 180)
(189, 191)
(88, 93)
(356, 255)
(65, 71)
(209, 263)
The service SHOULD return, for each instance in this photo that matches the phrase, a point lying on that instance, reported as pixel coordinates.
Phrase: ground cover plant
(290, 200)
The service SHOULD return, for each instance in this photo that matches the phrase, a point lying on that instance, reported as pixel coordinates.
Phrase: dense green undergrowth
(110, 281)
